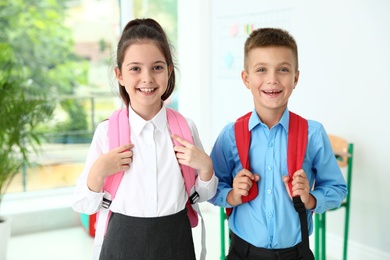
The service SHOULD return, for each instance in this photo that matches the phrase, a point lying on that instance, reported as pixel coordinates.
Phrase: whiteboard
(230, 27)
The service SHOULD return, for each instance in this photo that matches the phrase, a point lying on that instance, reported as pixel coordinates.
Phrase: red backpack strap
(178, 125)
(297, 143)
(243, 141)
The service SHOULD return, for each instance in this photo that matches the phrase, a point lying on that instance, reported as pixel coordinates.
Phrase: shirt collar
(255, 120)
(285, 120)
(138, 123)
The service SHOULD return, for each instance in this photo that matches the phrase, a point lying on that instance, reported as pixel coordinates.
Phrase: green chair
(344, 155)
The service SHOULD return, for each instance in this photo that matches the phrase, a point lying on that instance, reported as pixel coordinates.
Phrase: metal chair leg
(320, 239)
(222, 228)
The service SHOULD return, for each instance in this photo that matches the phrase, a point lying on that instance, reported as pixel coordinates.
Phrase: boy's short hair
(270, 37)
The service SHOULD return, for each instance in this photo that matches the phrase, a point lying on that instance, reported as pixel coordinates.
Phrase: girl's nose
(148, 78)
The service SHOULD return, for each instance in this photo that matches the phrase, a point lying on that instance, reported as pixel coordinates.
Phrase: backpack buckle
(194, 197)
(106, 203)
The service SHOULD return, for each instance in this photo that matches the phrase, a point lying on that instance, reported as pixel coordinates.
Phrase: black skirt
(160, 238)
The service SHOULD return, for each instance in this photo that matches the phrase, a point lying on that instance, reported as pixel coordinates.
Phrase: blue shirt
(270, 220)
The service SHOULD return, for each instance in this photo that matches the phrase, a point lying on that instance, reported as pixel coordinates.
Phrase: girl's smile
(145, 75)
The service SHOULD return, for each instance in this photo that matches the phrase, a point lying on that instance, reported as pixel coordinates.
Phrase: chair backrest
(343, 151)
(340, 148)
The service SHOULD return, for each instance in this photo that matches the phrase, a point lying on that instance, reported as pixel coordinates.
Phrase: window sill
(38, 211)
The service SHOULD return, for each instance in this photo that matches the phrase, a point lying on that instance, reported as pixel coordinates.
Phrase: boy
(268, 227)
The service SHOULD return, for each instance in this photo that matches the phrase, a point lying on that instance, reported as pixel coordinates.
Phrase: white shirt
(154, 185)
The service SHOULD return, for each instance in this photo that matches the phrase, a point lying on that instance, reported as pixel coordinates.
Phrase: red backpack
(297, 142)
(296, 148)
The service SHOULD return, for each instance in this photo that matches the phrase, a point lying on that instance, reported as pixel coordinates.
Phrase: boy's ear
(245, 80)
(118, 75)
(296, 78)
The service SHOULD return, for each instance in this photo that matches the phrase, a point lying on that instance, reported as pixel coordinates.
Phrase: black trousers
(162, 238)
(242, 250)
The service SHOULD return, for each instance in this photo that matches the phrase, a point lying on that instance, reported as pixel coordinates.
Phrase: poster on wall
(230, 28)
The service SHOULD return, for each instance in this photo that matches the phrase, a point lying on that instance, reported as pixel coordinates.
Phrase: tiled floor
(76, 244)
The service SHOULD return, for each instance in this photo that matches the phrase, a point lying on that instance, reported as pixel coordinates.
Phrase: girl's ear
(118, 75)
(170, 69)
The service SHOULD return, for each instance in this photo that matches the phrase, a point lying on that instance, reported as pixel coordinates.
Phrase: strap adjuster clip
(106, 203)
(194, 197)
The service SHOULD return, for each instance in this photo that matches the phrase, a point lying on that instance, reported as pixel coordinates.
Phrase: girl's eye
(158, 67)
(135, 69)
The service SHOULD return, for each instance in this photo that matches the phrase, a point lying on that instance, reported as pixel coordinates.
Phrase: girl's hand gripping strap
(118, 134)
(179, 126)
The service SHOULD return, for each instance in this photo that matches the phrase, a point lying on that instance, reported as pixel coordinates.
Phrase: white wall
(345, 83)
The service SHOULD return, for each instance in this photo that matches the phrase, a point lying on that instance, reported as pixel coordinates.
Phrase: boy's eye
(284, 69)
(260, 70)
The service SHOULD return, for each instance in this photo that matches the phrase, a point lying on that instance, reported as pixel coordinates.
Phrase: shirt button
(270, 215)
(269, 168)
(269, 191)
(270, 144)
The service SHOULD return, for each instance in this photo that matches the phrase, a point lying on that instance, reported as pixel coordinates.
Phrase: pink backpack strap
(120, 134)
(179, 126)
(117, 136)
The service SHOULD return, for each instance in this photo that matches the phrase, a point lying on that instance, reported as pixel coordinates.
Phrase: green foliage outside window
(21, 112)
(43, 54)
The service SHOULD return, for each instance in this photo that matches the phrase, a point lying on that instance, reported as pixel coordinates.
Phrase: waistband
(248, 250)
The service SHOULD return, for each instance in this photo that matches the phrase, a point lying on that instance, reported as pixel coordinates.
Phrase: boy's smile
(271, 75)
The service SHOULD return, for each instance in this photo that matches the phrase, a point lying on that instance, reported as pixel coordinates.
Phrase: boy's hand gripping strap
(296, 149)
(297, 143)
(243, 141)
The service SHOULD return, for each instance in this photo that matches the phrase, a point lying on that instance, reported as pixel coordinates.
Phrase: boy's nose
(272, 79)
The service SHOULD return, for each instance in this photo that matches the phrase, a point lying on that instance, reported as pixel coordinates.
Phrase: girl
(149, 219)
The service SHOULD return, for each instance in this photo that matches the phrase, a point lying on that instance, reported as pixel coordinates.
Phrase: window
(95, 30)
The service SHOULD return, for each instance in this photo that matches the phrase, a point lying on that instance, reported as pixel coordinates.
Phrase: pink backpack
(119, 134)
